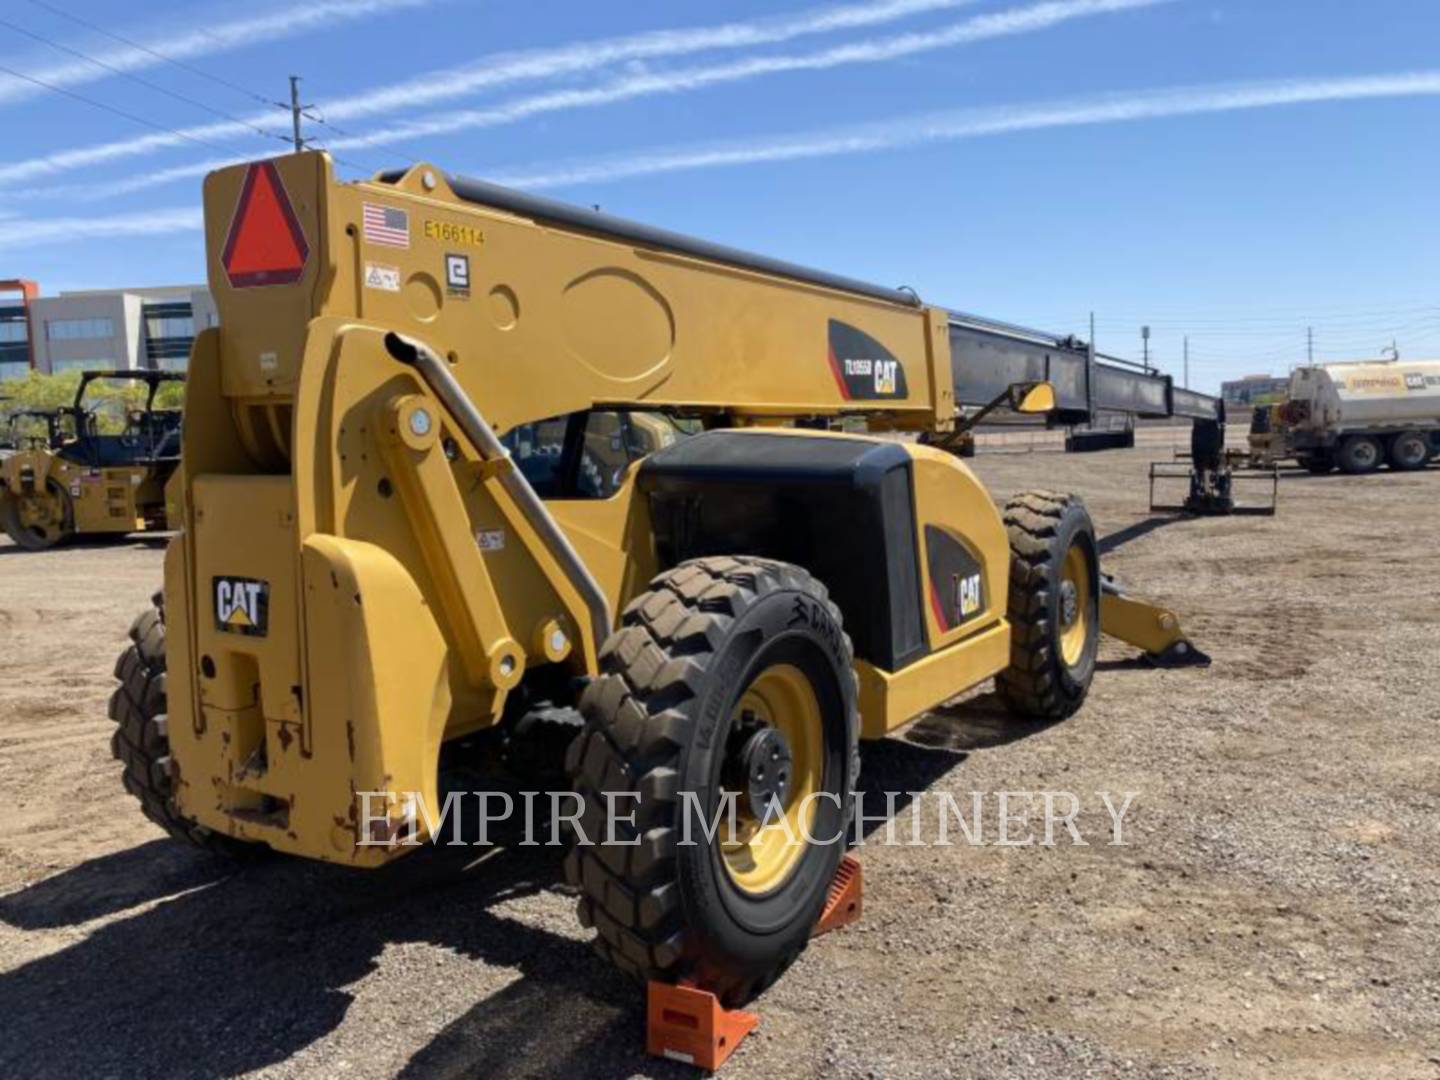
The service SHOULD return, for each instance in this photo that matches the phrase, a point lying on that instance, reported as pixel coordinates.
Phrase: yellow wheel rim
(761, 857)
(1074, 605)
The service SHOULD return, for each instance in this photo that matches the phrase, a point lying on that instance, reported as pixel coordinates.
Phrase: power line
(299, 112)
(1284, 312)
(306, 111)
(1280, 318)
(110, 108)
(313, 117)
(137, 79)
(1241, 336)
(1272, 325)
(194, 70)
(182, 65)
(156, 87)
(340, 160)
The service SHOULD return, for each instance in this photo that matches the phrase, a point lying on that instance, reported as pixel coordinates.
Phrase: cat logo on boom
(242, 606)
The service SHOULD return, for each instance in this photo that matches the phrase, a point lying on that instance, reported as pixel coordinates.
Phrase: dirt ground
(1274, 913)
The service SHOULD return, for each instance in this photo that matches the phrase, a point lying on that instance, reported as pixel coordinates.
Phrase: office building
(101, 328)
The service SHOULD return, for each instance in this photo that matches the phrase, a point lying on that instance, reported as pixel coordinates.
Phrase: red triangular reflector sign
(266, 245)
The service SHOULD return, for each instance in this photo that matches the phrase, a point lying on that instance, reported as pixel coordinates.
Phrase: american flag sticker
(387, 226)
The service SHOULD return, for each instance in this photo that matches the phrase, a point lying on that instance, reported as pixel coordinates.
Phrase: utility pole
(1090, 366)
(1310, 345)
(1187, 361)
(1145, 343)
(296, 109)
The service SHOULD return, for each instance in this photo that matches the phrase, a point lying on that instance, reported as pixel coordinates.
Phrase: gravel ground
(1273, 912)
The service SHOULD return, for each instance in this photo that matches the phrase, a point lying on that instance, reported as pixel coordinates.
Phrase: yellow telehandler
(461, 460)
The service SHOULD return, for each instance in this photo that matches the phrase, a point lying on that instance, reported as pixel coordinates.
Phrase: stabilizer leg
(1152, 628)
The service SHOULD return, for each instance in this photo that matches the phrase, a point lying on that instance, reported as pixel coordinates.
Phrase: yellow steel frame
(407, 592)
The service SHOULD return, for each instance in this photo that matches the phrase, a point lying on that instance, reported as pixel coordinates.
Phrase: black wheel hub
(760, 770)
(1069, 603)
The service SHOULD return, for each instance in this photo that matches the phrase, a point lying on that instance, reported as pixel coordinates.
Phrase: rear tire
(669, 715)
(536, 744)
(141, 740)
(1054, 606)
(1409, 450)
(1359, 455)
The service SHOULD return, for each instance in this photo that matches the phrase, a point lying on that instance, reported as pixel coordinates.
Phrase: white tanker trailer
(1358, 416)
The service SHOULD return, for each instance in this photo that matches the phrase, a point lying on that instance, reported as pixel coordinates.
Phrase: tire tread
(141, 740)
(1030, 686)
(633, 739)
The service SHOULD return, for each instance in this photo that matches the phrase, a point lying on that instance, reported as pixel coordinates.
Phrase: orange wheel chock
(845, 903)
(685, 1023)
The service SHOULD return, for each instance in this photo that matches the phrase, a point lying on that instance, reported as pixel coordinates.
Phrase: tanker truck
(1357, 416)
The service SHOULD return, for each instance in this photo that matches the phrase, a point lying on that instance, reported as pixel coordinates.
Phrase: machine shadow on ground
(222, 970)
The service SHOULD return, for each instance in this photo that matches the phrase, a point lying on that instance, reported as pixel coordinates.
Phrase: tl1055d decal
(957, 581)
(864, 369)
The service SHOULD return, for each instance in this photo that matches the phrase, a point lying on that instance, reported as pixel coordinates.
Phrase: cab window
(585, 455)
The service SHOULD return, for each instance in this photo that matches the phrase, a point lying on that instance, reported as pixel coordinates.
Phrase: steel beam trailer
(989, 355)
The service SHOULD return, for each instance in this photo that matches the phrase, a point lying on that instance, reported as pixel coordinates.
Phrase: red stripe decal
(937, 609)
(839, 378)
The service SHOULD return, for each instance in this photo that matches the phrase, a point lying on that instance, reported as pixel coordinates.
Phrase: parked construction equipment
(75, 480)
(39, 429)
(1208, 470)
(7, 426)
(1354, 417)
(391, 540)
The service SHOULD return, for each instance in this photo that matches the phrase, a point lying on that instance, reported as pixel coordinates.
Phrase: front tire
(1054, 606)
(141, 739)
(727, 670)
(38, 522)
(1359, 455)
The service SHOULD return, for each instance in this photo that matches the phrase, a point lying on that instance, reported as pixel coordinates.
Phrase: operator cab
(148, 434)
(585, 455)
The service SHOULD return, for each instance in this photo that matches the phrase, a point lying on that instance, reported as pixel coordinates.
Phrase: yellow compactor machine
(77, 480)
(430, 488)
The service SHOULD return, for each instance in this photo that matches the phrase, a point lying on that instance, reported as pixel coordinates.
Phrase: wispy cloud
(894, 134)
(187, 44)
(980, 28)
(503, 69)
(31, 232)
(907, 131)
(507, 68)
(1024, 20)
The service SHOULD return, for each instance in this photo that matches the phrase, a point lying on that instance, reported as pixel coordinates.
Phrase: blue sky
(1236, 171)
